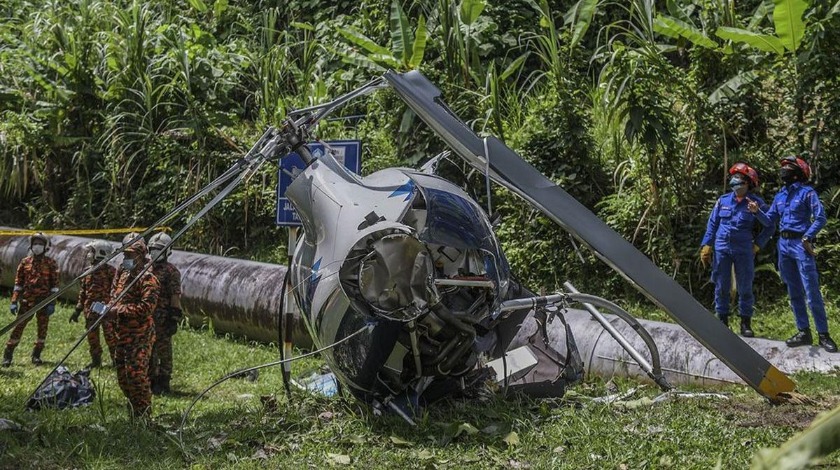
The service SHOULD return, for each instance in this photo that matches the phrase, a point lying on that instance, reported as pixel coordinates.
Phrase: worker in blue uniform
(800, 215)
(730, 234)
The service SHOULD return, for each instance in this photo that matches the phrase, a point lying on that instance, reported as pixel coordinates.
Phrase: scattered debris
(398, 441)
(264, 452)
(512, 439)
(517, 464)
(465, 428)
(269, 402)
(491, 429)
(338, 459)
(326, 383)
(614, 397)
(215, 442)
(675, 394)
(9, 425)
(792, 398)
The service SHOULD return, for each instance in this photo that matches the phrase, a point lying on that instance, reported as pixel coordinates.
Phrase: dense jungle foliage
(111, 112)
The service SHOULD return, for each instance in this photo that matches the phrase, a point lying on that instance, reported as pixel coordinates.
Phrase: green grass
(772, 319)
(234, 427)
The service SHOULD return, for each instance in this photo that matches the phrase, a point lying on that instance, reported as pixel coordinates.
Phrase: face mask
(788, 175)
(154, 255)
(128, 264)
(738, 185)
(38, 249)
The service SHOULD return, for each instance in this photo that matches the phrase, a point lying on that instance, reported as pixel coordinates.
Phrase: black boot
(746, 327)
(7, 356)
(827, 343)
(155, 379)
(724, 318)
(164, 384)
(803, 338)
(95, 361)
(36, 357)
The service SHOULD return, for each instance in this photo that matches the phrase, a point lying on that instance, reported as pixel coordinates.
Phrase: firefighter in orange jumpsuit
(96, 287)
(131, 310)
(36, 279)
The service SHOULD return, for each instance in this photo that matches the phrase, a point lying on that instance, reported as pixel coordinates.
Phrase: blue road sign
(348, 152)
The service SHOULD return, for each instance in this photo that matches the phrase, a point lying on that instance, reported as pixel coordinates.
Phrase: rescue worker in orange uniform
(167, 313)
(96, 287)
(36, 279)
(131, 310)
(125, 242)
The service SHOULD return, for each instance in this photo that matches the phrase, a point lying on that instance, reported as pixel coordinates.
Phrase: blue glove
(50, 309)
(13, 307)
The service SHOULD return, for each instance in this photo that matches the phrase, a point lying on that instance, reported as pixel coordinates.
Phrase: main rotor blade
(511, 171)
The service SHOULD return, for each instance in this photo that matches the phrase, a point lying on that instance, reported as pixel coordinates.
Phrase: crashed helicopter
(414, 258)
(404, 288)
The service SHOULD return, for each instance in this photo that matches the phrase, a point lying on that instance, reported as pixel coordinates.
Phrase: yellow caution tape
(100, 231)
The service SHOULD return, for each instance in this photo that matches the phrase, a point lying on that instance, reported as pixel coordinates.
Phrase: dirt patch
(754, 414)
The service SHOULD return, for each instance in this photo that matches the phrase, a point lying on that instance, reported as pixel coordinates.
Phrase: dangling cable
(282, 331)
(218, 198)
(487, 178)
(231, 172)
(262, 366)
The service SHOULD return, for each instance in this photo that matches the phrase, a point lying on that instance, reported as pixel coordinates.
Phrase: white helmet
(159, 242)
(99, 250)
(41, 239)
(129, 237)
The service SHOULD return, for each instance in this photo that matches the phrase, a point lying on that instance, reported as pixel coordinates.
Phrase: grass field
(252, 424)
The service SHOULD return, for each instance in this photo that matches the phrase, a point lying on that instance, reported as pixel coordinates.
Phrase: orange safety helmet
(797, 162)
(747, 171)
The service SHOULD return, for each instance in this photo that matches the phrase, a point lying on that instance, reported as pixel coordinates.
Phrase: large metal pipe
(236, 296)
(243, 298)
(684, 360)
(600, 318)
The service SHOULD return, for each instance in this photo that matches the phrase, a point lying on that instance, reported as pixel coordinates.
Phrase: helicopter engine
(410, 254)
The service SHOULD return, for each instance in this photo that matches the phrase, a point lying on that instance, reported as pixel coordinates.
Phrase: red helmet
(803, 166)
(747, 171)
